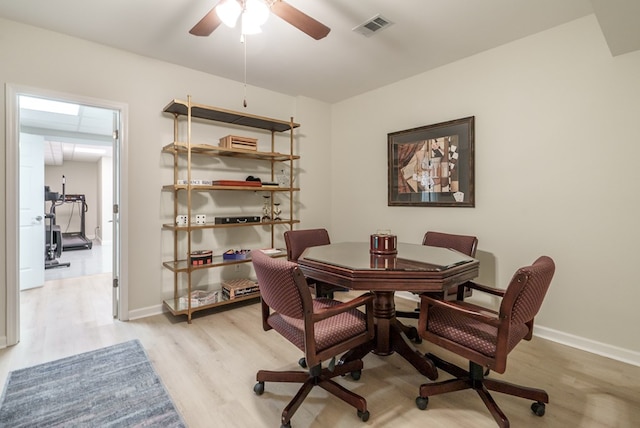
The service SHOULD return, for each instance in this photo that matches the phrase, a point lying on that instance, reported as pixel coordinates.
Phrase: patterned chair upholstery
(321, 328)
(299, 240)
(485, 337)
(463, 243)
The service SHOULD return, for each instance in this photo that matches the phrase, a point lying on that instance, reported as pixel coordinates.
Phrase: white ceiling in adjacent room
(80, 134)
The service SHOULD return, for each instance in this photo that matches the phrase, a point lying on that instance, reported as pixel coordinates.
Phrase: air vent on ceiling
(373, 25)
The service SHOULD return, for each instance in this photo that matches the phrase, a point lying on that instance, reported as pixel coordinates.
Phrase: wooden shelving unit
(183, 113)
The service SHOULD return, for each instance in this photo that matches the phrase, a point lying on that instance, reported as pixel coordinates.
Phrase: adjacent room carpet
(114, 386)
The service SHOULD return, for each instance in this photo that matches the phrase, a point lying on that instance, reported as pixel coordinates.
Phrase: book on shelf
(236, 183)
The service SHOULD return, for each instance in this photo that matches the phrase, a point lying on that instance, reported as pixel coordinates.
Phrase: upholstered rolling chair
(485, 337)
(299, 240)
(463, 243)
(321, 328)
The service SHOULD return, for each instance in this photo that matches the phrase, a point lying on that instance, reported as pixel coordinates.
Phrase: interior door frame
(13, 91)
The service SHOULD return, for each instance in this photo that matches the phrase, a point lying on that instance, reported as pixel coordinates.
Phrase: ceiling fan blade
(300, 20)
(207, 24)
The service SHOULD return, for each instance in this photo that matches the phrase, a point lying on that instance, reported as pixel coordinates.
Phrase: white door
(31, 211)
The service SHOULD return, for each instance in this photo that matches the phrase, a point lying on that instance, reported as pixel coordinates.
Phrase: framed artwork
(432, 166)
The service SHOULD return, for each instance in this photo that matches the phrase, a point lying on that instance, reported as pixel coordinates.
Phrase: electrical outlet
(237, 268)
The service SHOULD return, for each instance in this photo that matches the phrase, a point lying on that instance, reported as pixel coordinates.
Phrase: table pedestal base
(390, 338)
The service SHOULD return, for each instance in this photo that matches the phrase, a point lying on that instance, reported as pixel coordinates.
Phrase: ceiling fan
(241, 8)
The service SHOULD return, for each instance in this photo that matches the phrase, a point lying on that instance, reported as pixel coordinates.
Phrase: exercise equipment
(77, 240)
(53, 235)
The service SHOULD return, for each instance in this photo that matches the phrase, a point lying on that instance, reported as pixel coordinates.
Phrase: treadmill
(77, 240)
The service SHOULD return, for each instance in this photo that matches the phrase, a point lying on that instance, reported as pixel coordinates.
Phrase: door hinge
(115, 282)
(116, 208)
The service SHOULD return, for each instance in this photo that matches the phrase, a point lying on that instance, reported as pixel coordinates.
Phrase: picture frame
(433, 165)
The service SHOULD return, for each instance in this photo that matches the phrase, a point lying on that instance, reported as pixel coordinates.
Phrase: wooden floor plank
(209, 369)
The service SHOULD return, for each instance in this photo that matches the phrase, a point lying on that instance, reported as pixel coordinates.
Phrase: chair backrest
(282, 285)
(299, 240)
(462, 243)
(525, 293)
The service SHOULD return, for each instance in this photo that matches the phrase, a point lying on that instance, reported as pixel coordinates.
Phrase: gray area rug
(114, 386)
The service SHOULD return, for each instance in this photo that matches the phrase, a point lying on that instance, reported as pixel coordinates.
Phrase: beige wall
(81, 178)
(555, 159)
(37, 58)
(556, 169)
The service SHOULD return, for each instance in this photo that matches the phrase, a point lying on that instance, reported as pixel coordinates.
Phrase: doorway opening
(75, 190)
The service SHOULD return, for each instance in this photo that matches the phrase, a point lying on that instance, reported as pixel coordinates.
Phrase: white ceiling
(67, 135)
(425, 34)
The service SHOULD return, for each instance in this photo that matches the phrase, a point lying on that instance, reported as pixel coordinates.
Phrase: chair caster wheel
(287, 425)
(364, 416)
(412, 334)
(538, 408)
(258, 388)
(302, 362)
(356, 375)
(422, 402)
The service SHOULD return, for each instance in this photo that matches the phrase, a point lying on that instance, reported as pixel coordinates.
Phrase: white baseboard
(621, 354)
(407, 295)
(146, 312)
(588, 345)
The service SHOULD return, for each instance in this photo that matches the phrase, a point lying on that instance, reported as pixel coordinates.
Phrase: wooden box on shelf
(233, 288)
(236, 142)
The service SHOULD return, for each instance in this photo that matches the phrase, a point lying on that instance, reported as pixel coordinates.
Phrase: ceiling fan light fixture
(248, 26)
(228, 11)
(255, 13)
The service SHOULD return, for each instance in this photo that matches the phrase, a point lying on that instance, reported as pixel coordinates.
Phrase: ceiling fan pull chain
(244, 42)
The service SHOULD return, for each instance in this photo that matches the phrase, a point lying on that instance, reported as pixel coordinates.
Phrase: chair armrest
(453, 305)
(485, 288)
(364, 299)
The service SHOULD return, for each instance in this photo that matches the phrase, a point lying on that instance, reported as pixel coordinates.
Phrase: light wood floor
(209, 369)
